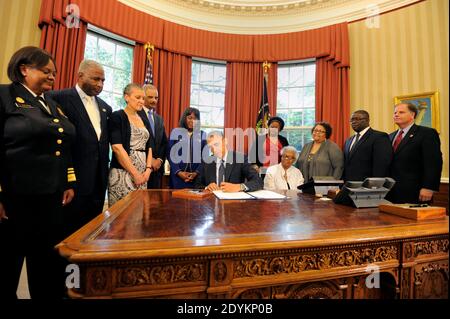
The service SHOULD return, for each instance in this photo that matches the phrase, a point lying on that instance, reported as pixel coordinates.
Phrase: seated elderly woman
(284, 175)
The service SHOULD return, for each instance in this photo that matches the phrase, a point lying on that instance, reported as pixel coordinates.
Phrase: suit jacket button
(60, 130)
(59, 141)
(57, 153)
(56, 120)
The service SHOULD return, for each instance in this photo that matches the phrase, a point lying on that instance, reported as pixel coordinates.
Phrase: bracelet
(149, 167)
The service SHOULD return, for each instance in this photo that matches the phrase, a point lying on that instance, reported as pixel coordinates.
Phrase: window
(296, 101)
(116, 57)
(208, 93)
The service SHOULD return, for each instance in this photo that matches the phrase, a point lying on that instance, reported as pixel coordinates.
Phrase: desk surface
(154, 224)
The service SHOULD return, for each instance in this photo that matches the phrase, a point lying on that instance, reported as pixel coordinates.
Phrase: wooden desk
(152, 245)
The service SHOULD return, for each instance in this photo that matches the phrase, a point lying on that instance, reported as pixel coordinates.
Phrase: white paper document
(232, 195)
(262, 194)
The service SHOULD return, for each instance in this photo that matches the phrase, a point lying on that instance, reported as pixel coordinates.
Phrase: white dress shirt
(360, 136)
(91, 106)
(35, 95)
(274, 178)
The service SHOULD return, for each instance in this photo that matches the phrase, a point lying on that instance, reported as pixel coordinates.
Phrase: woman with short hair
(131, 164)
(321, 157)
(284, 176)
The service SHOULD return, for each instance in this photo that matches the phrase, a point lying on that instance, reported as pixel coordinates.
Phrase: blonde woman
(130, 141)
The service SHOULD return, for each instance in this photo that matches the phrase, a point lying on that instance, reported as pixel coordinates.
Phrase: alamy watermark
(73, 16)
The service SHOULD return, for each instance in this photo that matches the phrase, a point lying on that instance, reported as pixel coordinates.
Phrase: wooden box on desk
(412, 211)
(191, 193)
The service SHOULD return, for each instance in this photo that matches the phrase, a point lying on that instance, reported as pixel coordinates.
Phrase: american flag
(149, 64)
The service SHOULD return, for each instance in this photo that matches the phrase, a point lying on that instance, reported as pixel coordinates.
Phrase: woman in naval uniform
(36, 176)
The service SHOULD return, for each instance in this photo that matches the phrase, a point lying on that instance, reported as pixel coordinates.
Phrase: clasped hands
(187, 176)
(224, 186)
(142, 178)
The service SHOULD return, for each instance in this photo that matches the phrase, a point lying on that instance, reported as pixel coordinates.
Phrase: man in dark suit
(368, 153)
(417, 163)
(226, 170)
(90, 152)
(157, 135)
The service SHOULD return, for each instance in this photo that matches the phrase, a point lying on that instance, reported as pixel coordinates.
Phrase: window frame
(201, 61)
(289, 128)
(117, 40)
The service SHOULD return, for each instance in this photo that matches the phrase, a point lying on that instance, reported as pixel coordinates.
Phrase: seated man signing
(226, 170)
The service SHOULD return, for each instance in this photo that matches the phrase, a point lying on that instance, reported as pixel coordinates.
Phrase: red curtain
(176, 44)
(139, 59)
(332, 85)
(172, 76)
(243, 95)
(66, 44)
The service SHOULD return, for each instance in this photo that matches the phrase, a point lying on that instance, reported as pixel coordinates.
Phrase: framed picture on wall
(428, 106)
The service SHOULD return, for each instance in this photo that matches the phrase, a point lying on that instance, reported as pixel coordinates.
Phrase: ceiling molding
(263, 16)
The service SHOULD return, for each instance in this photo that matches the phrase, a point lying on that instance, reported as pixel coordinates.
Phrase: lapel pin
(20, 100)
(411, 135)
(104, 110)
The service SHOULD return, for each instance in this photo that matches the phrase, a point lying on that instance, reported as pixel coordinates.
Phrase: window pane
(296, 101)
(90, 51)
(109, 77)
(283, 77)
(107, 97)
(295, 118)
(219, 97)
(206, 74)
(310, 117)
(195, 89)
(296, 76)
(310, 75)
(296, 98)
(282, 98)
(309, 97)
(117, 61)
(121, 79)
(118, 102)
(124, 57)
(106, 51)
(220, 75)
(195, 72)
(208, 92)
(205, 96)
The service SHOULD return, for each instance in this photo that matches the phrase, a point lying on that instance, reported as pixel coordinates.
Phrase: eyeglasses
(291, 158)
(319, 131)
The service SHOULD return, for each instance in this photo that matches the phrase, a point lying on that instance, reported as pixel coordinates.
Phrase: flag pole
(266, 66)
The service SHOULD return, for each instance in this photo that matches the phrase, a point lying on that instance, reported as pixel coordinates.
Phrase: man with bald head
(417, 163)
(90, 153)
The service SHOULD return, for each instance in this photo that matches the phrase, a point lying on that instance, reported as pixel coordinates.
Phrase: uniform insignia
(21, 103)
(104, 110)
(61, 112)
(20, 100)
